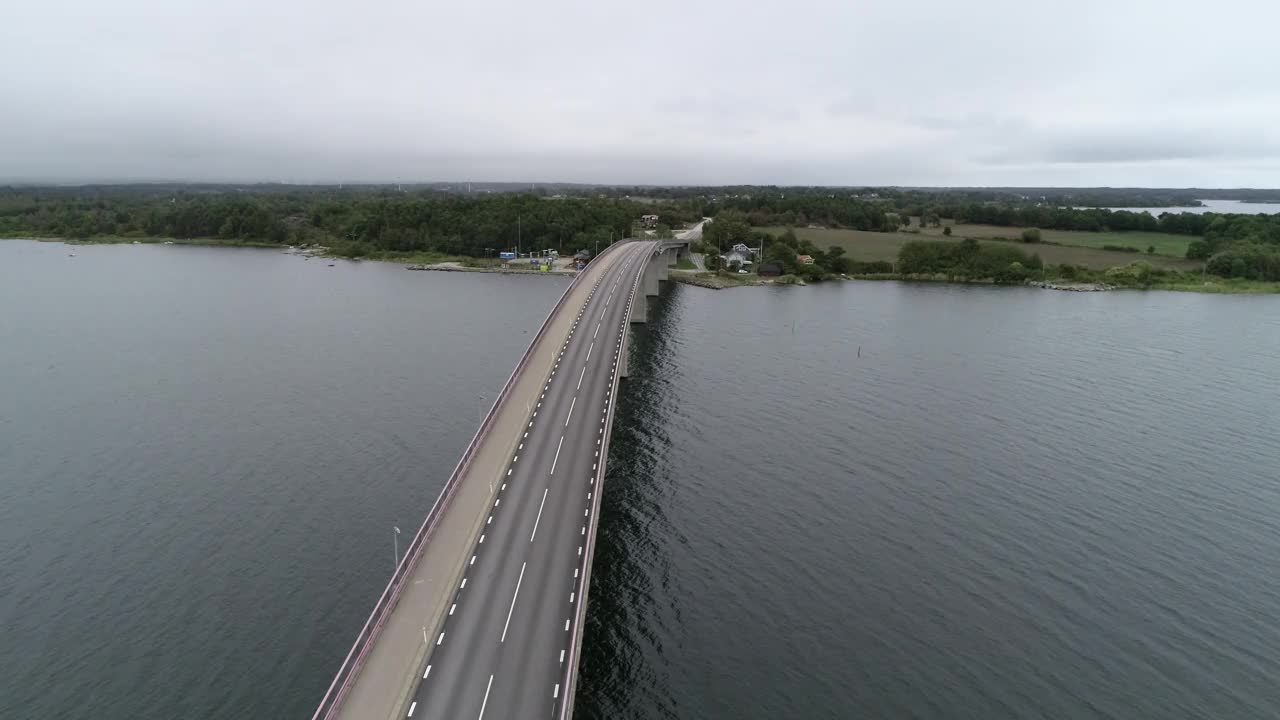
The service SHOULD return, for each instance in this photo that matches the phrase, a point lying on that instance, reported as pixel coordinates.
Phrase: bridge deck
(389, 667)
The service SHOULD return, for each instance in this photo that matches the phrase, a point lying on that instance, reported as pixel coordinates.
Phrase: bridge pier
(624, 367)
(640, 309)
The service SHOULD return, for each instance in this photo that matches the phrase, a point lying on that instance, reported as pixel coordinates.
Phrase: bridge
(484, 615)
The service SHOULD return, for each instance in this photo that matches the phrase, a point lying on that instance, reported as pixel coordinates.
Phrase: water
(1015, 503)
(1212, 206)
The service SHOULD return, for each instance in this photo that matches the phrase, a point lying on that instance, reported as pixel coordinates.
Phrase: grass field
(866, 245)
(1174, 246)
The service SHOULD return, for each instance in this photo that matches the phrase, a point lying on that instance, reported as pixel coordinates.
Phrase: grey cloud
(811, 91)
(1133, 145)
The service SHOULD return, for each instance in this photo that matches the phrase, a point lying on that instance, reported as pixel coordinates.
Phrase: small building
(649, 221)
(804, 259)
(733, 256)
(769, 270)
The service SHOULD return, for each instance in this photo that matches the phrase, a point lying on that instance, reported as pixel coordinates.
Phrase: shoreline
(1220, 287)
(708, 280)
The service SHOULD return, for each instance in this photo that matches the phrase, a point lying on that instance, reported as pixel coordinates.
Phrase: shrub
(947, 231)
(353, 250)
(878, 267)
(1123, 248)
(1135, 274)
(1031, 235)
(1254, 262)
(1198, 250)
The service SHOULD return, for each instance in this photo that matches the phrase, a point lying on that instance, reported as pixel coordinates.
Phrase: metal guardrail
(355, 658)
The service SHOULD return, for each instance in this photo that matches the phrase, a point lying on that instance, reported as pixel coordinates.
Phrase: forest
(353, 222)
(368, 220)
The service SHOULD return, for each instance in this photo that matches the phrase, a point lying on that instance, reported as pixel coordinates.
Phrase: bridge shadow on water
(621, 674)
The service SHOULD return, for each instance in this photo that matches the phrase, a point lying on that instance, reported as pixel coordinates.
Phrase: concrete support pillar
(670, 255)
(624, 363)
(662, 268)
(650, 281)
(640, 309)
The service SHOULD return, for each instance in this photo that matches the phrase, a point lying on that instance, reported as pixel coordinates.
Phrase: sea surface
(838, 501)
(1212, 206)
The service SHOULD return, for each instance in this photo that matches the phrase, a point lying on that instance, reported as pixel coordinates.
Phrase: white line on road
(513, 604)
(539, 518)
(428, 672)
(597, 332)
(571, 404)
(584, 372)
(441, 638)
(593, 346)
(411, 708)
(486, 698)
(557, 457)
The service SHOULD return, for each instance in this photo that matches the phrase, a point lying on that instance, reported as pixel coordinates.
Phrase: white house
(738, 254)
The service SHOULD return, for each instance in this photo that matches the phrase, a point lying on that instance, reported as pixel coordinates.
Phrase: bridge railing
(356, 656)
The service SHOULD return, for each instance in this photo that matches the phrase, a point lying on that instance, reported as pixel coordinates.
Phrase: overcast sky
(911, 92)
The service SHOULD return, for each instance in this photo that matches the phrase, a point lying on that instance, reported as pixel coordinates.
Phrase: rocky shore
(1071, 286)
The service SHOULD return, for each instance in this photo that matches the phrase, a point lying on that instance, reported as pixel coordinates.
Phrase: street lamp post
(396, 540)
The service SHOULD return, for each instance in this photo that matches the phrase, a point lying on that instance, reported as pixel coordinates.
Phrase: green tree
(783, 255)
(1031, 235)
(947, 231)
(836, 260)
(1198, 250)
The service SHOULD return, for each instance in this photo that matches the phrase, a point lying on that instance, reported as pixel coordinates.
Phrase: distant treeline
(858, 213)
(354, 222)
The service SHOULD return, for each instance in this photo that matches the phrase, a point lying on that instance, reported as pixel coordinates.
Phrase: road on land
(502, 650)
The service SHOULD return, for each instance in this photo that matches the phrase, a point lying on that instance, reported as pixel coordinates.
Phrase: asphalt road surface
(503, 646)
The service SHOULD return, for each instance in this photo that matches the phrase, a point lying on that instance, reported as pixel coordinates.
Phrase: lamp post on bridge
(396, 541)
